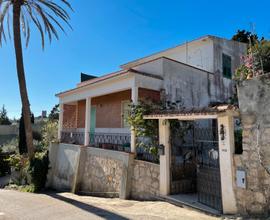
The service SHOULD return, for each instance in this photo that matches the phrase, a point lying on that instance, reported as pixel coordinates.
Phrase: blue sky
(108, 33)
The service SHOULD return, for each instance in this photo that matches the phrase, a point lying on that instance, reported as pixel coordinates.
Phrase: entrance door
(92, 124)
(208, 172)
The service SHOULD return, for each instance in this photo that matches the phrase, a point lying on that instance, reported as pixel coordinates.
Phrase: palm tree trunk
(21, 76)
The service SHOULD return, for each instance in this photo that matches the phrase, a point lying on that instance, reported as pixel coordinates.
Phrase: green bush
(37, 136)
(49, 133)
(38, 170)
(4, 164)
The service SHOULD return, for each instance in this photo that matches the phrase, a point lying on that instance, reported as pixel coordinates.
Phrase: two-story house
(197, 73)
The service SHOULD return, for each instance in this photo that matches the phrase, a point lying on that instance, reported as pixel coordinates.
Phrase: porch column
(60, 123)
(226, 151)
(164, 139)
(87, 121)
(134, 98)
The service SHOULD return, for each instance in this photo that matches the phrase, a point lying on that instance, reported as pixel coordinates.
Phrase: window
(227, 66)
(125, 113)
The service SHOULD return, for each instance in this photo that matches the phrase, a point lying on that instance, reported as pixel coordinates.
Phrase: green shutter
(227, 66)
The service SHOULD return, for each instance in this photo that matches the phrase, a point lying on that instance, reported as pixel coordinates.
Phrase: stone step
(100, 194)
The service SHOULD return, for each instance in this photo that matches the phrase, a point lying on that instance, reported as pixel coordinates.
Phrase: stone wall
(145, 180)
(254, 100)
(9, 130)
(103, 171)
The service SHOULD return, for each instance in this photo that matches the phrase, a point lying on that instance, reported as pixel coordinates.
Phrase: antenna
(186, 52)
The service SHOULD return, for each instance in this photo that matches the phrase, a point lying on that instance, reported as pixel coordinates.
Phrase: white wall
(9, 130)
(197, 53)
(64, 159)
(232, 48)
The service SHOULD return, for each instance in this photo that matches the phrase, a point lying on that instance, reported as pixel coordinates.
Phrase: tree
(4, 120)
(262, 55)
(54, 114)
(44, 15)
(245, 37)
(22, 137)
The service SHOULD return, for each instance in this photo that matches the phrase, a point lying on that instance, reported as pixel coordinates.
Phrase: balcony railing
(114, 141)
(109, 141)
(109, 138)
(72, 137)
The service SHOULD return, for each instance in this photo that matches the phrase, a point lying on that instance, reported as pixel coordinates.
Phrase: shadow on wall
(88, 208)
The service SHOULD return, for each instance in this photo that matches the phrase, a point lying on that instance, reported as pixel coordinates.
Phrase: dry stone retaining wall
(145, 180)
(102, 172)
(254, 100)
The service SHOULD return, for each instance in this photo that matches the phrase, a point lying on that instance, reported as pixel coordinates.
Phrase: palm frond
(49, 14)
(2, 19)
(46, 15)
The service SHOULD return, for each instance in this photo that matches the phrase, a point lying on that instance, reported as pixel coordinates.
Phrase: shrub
(10, 146)
(19, 164)
(49, 133)
(37, 136)
(38, 170)
(4, 164)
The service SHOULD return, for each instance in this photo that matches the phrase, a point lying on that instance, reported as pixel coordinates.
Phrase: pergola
(224, 114)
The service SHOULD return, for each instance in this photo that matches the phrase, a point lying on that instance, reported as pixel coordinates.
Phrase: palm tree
(46, 15)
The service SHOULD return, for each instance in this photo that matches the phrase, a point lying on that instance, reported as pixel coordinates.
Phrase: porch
(101, 121)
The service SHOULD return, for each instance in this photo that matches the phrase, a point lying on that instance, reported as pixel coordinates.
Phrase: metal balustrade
(115, 140)
(97, 139)
(72, 137)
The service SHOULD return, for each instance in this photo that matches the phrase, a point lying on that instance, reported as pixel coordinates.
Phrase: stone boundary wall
(101, 172)
(254, 103)
(9, 130)
(104, 171)
(145, 180)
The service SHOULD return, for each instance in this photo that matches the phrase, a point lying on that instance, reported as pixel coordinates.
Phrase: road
(16, 205)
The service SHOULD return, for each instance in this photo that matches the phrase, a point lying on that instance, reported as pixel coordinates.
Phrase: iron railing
(97, 139)
(114, 141)
(109, 141)
(72, 137)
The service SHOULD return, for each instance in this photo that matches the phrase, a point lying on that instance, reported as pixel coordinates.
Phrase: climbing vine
(146, 131)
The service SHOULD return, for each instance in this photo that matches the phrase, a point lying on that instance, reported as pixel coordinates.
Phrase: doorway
(92, 124)
(195, 171)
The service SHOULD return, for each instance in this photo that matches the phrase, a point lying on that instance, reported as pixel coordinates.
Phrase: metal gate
(208, 172)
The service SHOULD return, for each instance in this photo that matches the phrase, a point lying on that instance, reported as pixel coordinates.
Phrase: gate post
(164, 139)
(226, 151)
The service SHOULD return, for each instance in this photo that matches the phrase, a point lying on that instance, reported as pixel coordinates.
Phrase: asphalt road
(16, 205)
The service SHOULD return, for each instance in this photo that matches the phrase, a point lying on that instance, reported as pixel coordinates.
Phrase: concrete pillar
(87, 121)
(226, 151)
(134, 98)
(126, 178)
(164, 139)
(135, 94)
(61, 116)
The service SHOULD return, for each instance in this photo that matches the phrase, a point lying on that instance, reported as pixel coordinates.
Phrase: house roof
(108, 76)
(199, 112)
